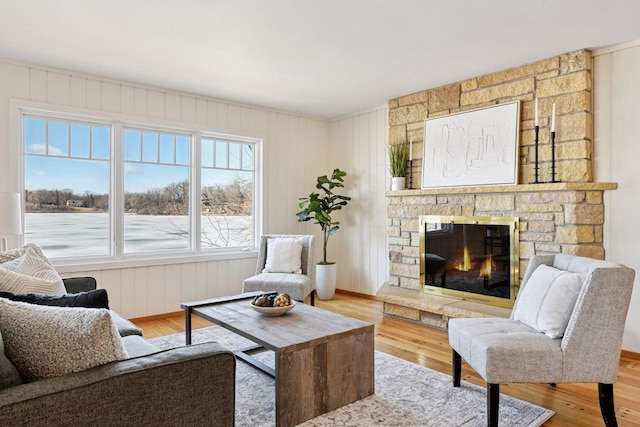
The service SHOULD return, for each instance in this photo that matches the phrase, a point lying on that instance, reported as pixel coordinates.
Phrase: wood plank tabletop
(304, 326)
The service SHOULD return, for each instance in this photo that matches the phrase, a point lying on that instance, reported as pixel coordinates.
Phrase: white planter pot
(397, 183)
(326, 280)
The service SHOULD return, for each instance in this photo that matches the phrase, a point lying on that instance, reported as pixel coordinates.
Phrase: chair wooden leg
(493, 404)
(313, 294)
(605, 394)
(457, 368)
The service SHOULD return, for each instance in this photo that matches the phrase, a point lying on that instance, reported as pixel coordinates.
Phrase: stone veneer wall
(564, 80)
(554, 218)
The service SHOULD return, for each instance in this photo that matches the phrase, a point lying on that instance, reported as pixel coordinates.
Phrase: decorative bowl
(273, 311)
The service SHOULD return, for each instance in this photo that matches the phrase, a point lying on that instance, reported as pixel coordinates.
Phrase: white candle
(553, 118)
(411, 149)
(536, 120)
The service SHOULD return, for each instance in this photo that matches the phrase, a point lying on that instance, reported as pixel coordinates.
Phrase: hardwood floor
(574, 404)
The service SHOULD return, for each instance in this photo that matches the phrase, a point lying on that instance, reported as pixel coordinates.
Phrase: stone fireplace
(563, 217)
(552, 218)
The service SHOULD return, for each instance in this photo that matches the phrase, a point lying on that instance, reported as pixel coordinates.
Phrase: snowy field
(87, 234)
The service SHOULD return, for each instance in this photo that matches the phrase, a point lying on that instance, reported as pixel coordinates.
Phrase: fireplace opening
(472, 258)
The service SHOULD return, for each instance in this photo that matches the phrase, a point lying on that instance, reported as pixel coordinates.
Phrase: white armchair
(273, 272)
(566, 327)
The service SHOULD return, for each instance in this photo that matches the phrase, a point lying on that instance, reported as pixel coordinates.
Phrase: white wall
(298, 149)
(617, 159)
(295, 152)
(358, 146)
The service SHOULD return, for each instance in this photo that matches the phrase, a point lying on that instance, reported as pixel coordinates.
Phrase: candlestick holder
(553, 158)
(410, 173)
(537, 165)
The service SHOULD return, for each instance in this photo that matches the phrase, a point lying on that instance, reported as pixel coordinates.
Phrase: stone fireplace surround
(554, 218)
(565, 217)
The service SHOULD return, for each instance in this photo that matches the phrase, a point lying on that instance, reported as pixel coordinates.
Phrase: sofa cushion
(284, 255)
(27, 270)
(46, 342)
(9, 375)
(91, 299)
(125, 327)
(547, 300)
(137, 346)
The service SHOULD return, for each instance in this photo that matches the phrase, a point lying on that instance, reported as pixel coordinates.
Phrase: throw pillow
(30, 271)
(284, 255)
(9, 375)
(92, 299)
(547, 301)
(45, 342)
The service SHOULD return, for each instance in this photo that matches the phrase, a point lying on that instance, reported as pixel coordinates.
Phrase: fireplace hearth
(472, 258)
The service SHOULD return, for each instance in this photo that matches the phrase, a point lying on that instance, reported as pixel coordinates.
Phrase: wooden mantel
(520, 188)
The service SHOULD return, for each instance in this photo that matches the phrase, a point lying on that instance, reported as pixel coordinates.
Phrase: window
(109, 189)
(156, 191)
(227, 177)
(66, 186)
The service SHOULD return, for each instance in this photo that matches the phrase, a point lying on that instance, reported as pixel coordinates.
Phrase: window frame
(118, 122)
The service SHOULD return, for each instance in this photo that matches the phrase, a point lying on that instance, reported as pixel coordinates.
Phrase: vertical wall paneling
(156, 286)
(201, 282)
(189, 279)
(222, 116)
(78, 92)
(140, 101)
(142, 295)
(111, 99)
(214, 285)
(201, 111)
(296, 150)
(94, 94)
(58, 88)
(188, 112)
(173, 295)
(38, 85)
(616, 105)
(155, 104)
(127, 100)
(356, 142)
(127, 285)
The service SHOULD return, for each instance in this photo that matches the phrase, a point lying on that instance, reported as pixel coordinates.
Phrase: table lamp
(10, 217)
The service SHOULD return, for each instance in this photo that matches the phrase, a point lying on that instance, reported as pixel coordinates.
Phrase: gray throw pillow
(9, 375)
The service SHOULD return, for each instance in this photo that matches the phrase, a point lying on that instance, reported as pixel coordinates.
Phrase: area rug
(405, 394)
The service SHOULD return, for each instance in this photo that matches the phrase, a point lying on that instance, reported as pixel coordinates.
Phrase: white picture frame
(476, 147)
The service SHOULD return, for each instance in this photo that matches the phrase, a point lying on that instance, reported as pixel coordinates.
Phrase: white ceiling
(325, 58)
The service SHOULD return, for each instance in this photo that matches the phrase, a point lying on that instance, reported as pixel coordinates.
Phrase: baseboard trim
(157, 316)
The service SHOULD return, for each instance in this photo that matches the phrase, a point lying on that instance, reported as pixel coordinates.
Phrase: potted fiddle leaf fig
(398, 157)
(319, 205)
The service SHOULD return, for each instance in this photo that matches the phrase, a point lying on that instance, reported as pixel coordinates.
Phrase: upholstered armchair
(566, 327)
(286, 265)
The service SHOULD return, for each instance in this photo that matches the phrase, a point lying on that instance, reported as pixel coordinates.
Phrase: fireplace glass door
(471, 258)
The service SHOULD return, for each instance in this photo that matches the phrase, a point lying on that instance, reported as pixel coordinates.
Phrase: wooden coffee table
(323, 360)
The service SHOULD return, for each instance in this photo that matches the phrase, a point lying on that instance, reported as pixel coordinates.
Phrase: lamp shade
(10, 214)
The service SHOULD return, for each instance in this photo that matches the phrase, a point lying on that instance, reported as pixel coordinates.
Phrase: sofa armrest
(191, 385)
(75, 285)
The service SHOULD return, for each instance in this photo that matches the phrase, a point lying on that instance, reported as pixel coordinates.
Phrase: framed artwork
(477, 147)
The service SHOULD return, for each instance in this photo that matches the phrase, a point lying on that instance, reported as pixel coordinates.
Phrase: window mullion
(195, 192)
(117, 191)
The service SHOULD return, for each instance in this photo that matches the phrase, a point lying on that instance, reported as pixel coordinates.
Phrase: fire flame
(465, 263)
(486, 268)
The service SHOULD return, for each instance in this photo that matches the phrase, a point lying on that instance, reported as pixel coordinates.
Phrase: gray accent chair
(508, 351)
(298, 286)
